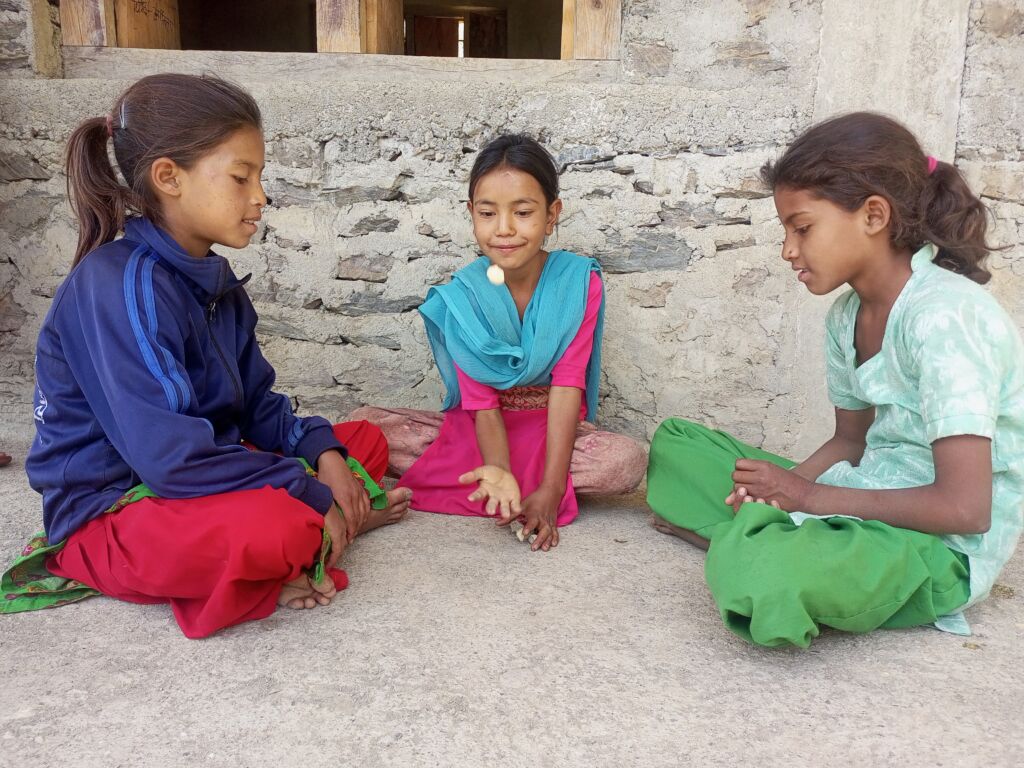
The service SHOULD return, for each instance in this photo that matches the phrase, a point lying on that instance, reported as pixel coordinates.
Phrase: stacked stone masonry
(659, 179)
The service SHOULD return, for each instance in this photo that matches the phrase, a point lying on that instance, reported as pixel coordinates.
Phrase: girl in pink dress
(517, 339)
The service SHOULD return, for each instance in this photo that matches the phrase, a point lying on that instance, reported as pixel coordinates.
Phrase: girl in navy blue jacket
(169, 468)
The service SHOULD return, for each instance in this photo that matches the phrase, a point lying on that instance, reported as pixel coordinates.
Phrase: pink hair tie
(110, 126)
(932, 165)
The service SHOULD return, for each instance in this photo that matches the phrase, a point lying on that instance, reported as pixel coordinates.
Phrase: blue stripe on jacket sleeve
(148, 356)
(295, 435)
(150, 302)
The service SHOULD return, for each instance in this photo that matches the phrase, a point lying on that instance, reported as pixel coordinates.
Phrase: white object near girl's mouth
(495, 274)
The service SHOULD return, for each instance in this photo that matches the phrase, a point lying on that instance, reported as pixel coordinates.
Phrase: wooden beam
(338, 25)
(568, 28)
(147, 24)
(598, 27)
(383, 21)
(329, 69)
(87, 22)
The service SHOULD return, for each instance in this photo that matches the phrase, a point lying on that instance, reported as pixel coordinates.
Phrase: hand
(540, 509)
(767, 483)
(335, 526)
(348, 492)
(499, 487)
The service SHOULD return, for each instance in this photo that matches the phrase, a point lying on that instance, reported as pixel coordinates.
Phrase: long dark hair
(519, 151)
(849, 158)
(181, 117)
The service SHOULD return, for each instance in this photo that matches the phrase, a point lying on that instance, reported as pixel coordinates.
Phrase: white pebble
(495, 274)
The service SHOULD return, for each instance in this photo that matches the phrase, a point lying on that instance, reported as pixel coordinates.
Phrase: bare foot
(398, 505)
(303, 592)
(664, 526)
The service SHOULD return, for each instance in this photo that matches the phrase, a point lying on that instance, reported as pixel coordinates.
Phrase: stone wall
(659, 182)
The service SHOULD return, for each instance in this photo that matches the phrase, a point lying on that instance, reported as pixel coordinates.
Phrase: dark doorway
(487, 35)
(493, 29)
(434, 35)
(257, 25)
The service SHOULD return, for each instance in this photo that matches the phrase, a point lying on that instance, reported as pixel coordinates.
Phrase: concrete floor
(455, 646)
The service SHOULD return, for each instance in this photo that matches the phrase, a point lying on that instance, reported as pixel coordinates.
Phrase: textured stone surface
(901, 58)
(659, 179)
(14, 38)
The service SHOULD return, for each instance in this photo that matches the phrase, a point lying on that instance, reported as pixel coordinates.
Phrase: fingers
(744, 476)
(492, 506)
(337, 550)
(546, 537)
(468, 477)
(737, 498)
(349, 527)
(749, 464)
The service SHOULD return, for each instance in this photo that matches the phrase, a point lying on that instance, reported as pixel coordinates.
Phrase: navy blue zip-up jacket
(147, 369)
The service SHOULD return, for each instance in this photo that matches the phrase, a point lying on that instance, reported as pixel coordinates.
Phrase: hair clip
(932, 165)
(110, 126)
(124, 126)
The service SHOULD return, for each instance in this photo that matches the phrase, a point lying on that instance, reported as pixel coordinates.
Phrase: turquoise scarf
(476, 325)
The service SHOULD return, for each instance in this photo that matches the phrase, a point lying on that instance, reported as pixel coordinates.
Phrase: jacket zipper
(211, 310)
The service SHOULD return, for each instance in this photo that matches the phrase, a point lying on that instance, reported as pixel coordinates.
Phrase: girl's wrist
(806, 502)
(552, 487)
(329, 460)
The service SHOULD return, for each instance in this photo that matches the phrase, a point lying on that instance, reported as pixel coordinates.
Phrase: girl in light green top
(908, 513)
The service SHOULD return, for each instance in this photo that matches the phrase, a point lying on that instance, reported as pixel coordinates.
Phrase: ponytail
(849, 158)
(955, 220)
(97, 198)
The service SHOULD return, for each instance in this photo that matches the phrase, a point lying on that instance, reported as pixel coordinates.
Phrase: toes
(323, 588)
(398, 496)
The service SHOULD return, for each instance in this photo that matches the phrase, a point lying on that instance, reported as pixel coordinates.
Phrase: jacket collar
(211, 275)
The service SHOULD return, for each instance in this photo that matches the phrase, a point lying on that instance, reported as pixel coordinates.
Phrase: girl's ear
(877, 214)
(469, 207)
(554, 211)
(165, 176)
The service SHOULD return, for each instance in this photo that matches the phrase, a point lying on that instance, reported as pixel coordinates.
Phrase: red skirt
(218, 560)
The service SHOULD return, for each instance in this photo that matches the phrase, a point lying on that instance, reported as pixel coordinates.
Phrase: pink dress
(434, 477)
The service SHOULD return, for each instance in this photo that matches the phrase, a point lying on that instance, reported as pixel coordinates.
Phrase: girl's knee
(366, 443)
(615, 463)
(677, 428)
(366, 413)
(274, 524)
(629, 462)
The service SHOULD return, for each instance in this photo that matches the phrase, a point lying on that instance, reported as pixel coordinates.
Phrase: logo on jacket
(40, 409)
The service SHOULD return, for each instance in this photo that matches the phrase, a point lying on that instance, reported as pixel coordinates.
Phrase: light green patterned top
(951, 363)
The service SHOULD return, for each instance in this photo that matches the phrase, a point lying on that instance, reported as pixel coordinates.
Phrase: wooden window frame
(591, 29)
